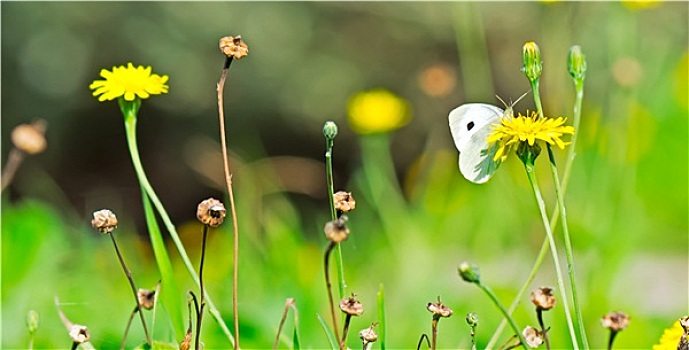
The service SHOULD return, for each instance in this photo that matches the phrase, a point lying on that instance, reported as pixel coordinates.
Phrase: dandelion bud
(469, 272)
(344, 202)
(330, 130)
(146, 298)
(30, 138)
(351, 306)
(211, 212)
(234, 47)
(79, 334)
(439, 309)
(104, 221)
(576, 63)
(337, 230)
(472, 319)
(533, 337)
(531, 57)
(32, 321)
(615, 321)
(543, 298)
(368, 335)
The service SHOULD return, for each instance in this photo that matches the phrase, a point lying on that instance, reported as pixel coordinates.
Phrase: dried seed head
(337, 230)
(234, 47)
(615, 321)
(684, 322)
(438, 309)
(30, 138)
(368, 335)
(186, 343)
(543, 298)
(344, 201)
(79, 334)
(104, 221)
(533, 337)
(211, 212)
(351, 306)
(146, 298)
(472, 319)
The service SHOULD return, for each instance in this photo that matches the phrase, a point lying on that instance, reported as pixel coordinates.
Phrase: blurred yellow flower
(377, 111)
(129, 82)
(529, 129)
(670, 338)
(640, 4)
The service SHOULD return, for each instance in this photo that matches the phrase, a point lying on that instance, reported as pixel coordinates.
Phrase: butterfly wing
(470, 125)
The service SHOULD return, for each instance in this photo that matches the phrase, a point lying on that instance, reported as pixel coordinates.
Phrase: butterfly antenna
(503, 101)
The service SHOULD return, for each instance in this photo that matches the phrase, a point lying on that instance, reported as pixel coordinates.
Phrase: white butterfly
(470, 125)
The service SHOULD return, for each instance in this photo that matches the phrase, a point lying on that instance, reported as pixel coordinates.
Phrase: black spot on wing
(470, 126)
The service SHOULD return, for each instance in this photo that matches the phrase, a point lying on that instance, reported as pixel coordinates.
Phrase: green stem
(568, 249)
(342, 285)
(130, 128)
(508, 317)
(537, 97)
(531, 174)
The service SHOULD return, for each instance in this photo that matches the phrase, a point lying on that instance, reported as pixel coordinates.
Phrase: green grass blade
(328, 332)
(381, 316)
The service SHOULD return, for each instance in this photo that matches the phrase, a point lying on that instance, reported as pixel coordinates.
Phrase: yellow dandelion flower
(670, 338)
(129, 82)
(528, 129)
(377, 111)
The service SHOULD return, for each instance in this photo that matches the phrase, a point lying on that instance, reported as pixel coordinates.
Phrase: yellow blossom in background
(640, 4)
(129, 82)
(670, 338)
(528, 129)
(377, 111)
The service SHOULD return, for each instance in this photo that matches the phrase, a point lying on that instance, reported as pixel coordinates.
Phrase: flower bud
(32, 321)
(104, 221)
(211, 212)
(531, 57)
(469, 272)
(615, 321)
(576, 63)
(472, 319)
(330, 130)
(543, 298)
(30, 138)
(234, 47)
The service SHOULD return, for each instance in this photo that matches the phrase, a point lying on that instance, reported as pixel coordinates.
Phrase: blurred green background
(416, 218)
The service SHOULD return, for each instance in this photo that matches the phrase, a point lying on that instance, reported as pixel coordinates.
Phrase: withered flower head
(211, 212)
(337, 230)
(615, 321)
(368, 335)
(351, 306)
(30, 138)
(533, 337)
(146, 298)
(543, 298)
(234, 47)
(344, 201)
(438, 309)
(186, 343)
(79, 334)
(104, 221)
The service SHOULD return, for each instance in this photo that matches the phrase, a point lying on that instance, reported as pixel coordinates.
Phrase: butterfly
(470, 125)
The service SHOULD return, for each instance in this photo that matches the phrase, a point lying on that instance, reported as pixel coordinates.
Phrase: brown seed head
(104, 221)
(79, 334)
(615, 321)
(337, 230)
(186, 343)
(234, 47)
(211, 212)
(533, 337)
(438, 309)
(344, 201)
(543, 298)
(30, 138)
(368, 335)
(146, 298)
(351, 306)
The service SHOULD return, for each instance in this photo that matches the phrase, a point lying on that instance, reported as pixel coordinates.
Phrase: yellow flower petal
(129, 83)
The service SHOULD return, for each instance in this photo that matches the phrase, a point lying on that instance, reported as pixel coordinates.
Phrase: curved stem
(507, 316)
(199, 315)
(330, 293)
(342, 285)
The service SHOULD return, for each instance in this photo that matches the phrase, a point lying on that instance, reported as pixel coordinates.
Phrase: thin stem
(342, 285)
(129, 323)
(507, 316)
(130, 128)
(345, 329)
(539, 313)
(75, 345)
(423, 336)
(288, 304)
(199, 315)
(330, 292)
(14, 159)
(128, 273)
(537, 97)
(568, 249)
(228, 183)
(531, 174)
(434, 331)
(611, 340)
(473, 337)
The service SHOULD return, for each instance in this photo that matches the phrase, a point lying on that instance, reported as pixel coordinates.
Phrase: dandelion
(671, 337)
(377, 111)
(528, 129)
(129, 83)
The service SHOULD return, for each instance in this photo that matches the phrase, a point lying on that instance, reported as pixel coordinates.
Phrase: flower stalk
(330, 131)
